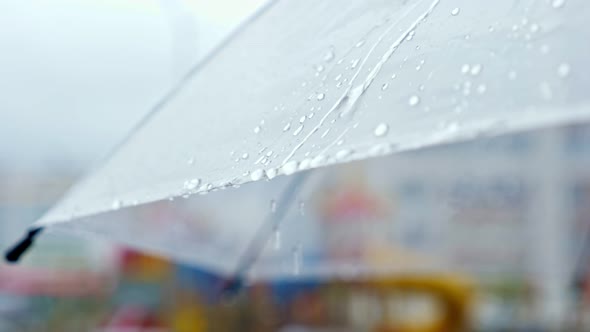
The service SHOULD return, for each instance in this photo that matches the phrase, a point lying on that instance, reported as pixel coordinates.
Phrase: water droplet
(449, 128)
(276, 238)
(410, 35)
(305, 163)
(329, 56)
(192, 184)
(190, 161)
(245, 155)
(512, 75)
(393, 76)
(271, 173)
(465, 68)
(319, 68)
(563, 70)
(384, 86)
(482, 88)
(296, 252)
(298, 130)
(290, 167)
(360, 43)
(476, 69)
(257, 174)
(209, 186)
(467, 88)
(321, 96)
(116, 205)
(455, 11)
(256, 129)
(318, 161)
(381, 130)
(343, 153)
(414, 100)
(287, 127)
(302, 119)
(380, 149)
(338, 77)
(273, 206)
(354, 63)
(310, 115)
(325, 133)
(202, 191)
(534, 27)
(557, 3)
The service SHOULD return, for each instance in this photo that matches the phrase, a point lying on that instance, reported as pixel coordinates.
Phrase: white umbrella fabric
(307, 84)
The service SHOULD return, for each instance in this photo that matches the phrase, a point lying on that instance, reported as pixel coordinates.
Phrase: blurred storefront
(512, 232)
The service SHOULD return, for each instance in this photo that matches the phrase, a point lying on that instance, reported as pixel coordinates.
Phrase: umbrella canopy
(304, 85)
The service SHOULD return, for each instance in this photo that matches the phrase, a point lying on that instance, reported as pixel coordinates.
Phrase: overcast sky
(76, 76)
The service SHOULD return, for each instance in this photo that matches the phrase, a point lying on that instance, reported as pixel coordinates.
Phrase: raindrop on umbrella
(273, 206)
(287, 127)
(116, 204)
(298, 130)
(296, 253)
(276, 237)
(381, 130)
(558, 3)
(563, 70)
(257, 174)
(476, 69)
(414, 100)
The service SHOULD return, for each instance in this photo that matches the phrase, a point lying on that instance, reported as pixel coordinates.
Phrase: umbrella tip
(14, 254)
(231, 288)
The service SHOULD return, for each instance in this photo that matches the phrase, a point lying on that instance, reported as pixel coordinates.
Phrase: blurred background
(77, 77)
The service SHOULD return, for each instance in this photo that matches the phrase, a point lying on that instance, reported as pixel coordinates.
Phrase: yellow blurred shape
(424, 303)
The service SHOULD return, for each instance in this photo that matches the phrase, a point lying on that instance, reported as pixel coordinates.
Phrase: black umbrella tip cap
(231, 288)
(14, 254)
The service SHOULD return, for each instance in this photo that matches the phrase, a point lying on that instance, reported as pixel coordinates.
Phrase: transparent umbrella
(230, 171)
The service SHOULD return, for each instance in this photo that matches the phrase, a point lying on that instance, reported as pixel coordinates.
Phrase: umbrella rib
(353, 93)
(13, 254)
(260, 239)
